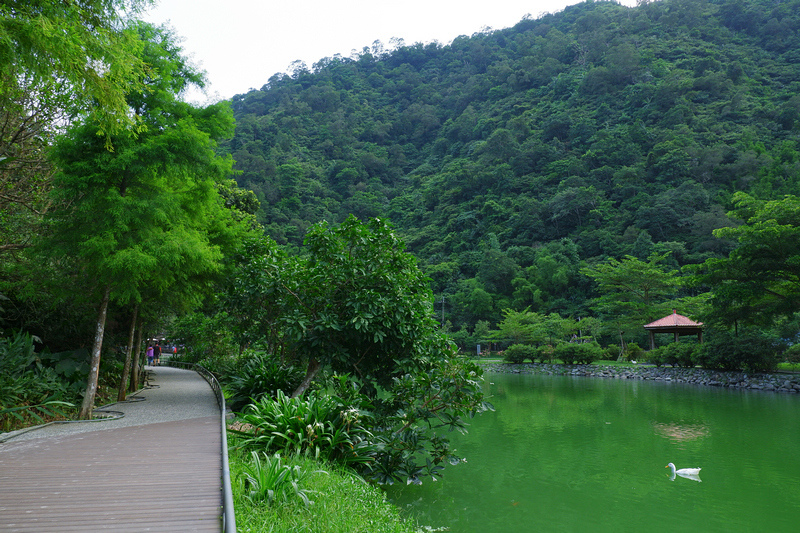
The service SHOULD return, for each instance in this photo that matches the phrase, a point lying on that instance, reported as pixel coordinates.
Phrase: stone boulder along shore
(778, 382)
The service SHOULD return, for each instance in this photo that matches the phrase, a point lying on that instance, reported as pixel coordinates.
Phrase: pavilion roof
(673, 321)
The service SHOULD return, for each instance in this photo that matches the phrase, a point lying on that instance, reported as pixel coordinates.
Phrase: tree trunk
(313, 367)
(134, 386)
(126, 370)
(94, 367)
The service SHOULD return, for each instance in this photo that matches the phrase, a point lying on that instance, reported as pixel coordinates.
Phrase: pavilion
(676, 324)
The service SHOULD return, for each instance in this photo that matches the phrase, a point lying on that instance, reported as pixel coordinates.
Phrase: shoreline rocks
(784, 383)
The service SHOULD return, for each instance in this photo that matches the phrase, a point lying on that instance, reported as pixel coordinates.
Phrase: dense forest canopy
(507, 158)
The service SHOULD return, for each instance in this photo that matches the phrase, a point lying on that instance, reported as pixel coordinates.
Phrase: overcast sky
(242, 43)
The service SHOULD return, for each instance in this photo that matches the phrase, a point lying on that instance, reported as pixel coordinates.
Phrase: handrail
(228, 515)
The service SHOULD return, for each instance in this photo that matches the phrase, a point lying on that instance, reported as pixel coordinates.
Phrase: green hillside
(509, 159)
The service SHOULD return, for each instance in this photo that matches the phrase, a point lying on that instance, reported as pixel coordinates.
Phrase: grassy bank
(339, 502)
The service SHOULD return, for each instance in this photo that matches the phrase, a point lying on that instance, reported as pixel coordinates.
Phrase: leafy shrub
(517, 353)
(72, 367)
(578, 352)
(682, 354)
(792, 354)
(319, 426)
(29, 389)
(611, 352)
(412, 418)
(266, 479)
(257, 375)
(751, 351)
(545, 353)
(633, 352)
(656, 356)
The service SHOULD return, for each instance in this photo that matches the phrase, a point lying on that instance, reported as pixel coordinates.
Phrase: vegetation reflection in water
(582, 454)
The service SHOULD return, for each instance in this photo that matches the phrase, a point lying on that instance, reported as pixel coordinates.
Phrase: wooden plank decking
(155, 477)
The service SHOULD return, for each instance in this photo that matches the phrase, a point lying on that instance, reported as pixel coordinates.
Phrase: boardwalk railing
(228, 516)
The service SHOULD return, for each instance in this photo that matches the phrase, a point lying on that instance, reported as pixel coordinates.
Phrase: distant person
(174, 350)
(157, 353)
(150, 354)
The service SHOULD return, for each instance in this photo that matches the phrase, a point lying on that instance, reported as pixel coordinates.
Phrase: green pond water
(583, 454)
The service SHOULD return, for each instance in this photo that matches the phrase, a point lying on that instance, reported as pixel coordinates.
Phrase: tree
(527, 327)
(355, 303)
(93, 58)
(759, 281)
(145, 218)
(366, 308)
(632, 292)
(518, 327)
(260, 296)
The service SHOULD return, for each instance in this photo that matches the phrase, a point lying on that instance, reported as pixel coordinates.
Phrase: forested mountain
(509, 158)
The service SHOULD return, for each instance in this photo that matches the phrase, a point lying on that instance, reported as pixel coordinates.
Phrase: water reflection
(693, 477)
(678, 432)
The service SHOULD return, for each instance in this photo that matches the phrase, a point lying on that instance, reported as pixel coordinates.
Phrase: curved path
(158, 468)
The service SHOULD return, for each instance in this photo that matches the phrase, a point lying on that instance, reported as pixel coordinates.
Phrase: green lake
(588, 454)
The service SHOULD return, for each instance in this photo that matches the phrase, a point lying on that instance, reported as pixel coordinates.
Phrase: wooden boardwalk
(156, 477)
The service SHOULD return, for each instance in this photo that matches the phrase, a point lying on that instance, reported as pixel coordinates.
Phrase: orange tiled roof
(674, 321)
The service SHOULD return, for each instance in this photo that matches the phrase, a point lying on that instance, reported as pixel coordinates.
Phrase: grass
(340, 502)
(789, 367)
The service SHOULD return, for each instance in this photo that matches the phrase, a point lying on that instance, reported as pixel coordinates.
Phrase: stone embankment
(787, 383)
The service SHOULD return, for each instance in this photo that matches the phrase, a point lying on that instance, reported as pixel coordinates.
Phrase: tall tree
(355, 302)
(57, 61)
(760, 280)
(367, 307)
(78, 57)
(145, 218)
(632, 292)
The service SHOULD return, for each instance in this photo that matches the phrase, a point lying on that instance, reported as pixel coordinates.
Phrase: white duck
(688, 473)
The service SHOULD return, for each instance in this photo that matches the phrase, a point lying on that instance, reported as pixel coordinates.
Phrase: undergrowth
(333, 501)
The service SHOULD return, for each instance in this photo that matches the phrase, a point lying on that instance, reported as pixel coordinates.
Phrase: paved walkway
(158, 468)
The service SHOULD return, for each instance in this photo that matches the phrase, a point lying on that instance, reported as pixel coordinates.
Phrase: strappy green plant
(319, 426)
(36, 413)
(265, 478)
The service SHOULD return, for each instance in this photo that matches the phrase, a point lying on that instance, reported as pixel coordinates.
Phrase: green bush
(545, 353)
(578, 353)
(265, 478)
(518, 353)
(611, 352)
(792, 354)
(29, 388)
(259, 374)
(318, 425)
(751, 351)
(656, 356)
(72, 367)
(633, 352)
(682, 354)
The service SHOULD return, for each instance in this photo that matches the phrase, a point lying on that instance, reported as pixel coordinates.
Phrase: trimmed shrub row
(750, 351)
(568, 352)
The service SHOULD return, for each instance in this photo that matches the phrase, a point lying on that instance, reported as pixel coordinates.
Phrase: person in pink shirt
(150, 354)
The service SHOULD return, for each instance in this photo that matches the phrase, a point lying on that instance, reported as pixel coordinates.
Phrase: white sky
(242, 43)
